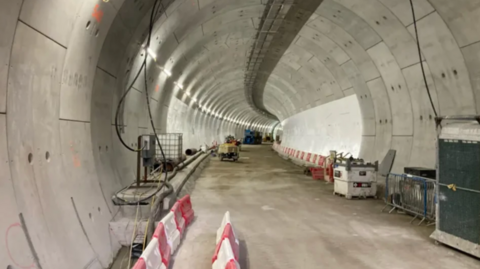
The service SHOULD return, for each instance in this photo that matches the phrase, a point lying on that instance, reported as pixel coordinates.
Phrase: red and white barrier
(167, 236)
(186, 209)
(140, 264)
(227, 251)
(179, 220)
(171, 230)
(157, 253)
(226, 258)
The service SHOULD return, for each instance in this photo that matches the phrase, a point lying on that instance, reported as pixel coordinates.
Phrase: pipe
(179, 189)
(139, 161)
(190, 152)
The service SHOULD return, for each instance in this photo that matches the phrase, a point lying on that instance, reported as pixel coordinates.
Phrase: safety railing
(414, 195)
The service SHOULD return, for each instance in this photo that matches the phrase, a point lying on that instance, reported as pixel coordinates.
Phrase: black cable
(420, 58)
(148, 98)
(144, 67)
(122, 99)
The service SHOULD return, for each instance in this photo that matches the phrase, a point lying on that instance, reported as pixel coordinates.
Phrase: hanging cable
(148, 97)
(142, 67)
(122, 99)
(420, 58)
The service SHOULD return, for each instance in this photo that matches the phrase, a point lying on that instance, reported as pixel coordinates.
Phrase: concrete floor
(287, 220)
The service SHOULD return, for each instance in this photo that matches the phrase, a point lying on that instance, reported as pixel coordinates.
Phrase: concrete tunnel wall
(64, 64)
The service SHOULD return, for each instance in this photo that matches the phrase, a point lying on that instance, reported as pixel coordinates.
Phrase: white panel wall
(333, 126)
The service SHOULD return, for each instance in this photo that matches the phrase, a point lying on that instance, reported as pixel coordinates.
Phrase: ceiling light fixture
(179, 85)
(152, 54)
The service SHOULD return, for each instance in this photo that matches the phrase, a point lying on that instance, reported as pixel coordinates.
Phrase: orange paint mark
(157, 88)
(76, 160)
(97, 13)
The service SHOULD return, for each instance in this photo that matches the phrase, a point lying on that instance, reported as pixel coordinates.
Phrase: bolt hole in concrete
(97, 32)
(99, 209)
(30, 158)
(9, 267)
(88, 25)
(47, 156)
(90, 215)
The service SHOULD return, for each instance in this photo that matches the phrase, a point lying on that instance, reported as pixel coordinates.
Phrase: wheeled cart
(228, 151)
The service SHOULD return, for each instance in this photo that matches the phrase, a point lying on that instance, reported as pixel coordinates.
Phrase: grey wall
(60, 82)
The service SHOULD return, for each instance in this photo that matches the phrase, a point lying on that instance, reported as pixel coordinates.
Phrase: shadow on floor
(243, 260)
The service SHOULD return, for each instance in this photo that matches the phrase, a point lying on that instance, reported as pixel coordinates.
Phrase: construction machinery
(228, 151)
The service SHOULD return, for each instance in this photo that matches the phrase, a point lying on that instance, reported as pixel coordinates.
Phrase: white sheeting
(333, 126)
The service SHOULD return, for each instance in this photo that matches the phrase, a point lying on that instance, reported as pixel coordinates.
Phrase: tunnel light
(152, 54)
(168, 73)
(179, 85)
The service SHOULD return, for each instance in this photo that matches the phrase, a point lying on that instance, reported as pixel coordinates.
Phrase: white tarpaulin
(333, 126)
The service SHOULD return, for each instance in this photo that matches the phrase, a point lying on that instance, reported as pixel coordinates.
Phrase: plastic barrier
(232, 264)
(321, 160)
(163, 246)
(171, 231)
(229, 234)
(140, 264)
(186, 208)
(298, 154)
(226, 258)
(302, 155)
(152, 256)
(225, 221)
(179, 221)
(167, 236)
(314, 159)
(309, 155)
(227, 251)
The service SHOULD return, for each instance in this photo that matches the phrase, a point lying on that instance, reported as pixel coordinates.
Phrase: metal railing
(414, 195)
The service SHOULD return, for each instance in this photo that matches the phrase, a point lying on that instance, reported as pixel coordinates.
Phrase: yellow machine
(228, 151)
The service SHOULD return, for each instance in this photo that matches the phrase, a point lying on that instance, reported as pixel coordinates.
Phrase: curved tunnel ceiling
(65, 63)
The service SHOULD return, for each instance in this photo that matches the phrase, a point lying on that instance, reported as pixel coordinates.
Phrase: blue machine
(249, 137)
(252, 137)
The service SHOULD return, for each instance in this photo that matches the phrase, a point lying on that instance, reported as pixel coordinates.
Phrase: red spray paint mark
(76, 159)
(32, 265)
(97, 13)
(157, 88)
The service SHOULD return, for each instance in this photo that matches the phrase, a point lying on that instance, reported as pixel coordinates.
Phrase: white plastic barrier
(226, 220)
(227, 252)
(226, 258)
(152, 256)
(167, 236)
(173, 234)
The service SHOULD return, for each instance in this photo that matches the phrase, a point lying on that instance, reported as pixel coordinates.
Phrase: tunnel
(356, 76)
